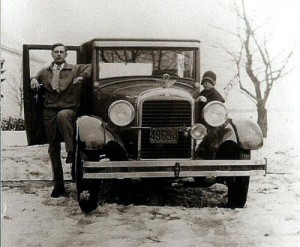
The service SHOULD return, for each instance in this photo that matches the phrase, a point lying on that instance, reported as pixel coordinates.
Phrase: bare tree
(254, 57)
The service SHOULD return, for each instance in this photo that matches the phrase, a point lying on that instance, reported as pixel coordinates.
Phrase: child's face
(207, 84)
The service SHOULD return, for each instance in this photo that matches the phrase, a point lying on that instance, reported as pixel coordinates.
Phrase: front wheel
(238, 191)
(238, 186)
(87, 190)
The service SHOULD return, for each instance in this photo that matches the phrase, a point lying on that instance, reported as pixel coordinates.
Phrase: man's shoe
(70, 157)
(57, 192)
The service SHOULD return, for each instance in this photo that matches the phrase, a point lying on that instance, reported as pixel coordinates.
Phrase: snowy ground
(30, 217)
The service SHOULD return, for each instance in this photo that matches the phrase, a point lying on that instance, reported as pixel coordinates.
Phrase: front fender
(249, 134)
(245, 133)
(214, 139)
(92, 133)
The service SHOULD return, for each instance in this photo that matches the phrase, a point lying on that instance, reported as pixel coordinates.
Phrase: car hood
(131, 89)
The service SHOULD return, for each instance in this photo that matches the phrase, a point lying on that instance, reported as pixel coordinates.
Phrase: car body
(142, 119)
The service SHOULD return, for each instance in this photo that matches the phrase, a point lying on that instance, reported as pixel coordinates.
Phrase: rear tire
(238, 186)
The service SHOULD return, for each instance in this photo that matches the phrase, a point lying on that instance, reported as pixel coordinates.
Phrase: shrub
(12, 124)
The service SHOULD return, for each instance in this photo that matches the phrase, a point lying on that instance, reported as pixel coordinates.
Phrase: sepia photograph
(150, 123)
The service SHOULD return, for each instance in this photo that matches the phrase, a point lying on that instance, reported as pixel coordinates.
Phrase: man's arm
(34, 82)
(85, 71)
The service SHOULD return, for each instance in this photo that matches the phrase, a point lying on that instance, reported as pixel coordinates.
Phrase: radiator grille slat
(172, 113)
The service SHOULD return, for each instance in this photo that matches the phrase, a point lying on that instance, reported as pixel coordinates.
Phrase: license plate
(163, 135)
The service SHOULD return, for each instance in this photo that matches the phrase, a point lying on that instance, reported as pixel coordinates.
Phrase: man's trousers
(59, 126)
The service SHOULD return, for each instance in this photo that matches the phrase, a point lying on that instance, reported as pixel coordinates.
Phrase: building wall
(12, 87)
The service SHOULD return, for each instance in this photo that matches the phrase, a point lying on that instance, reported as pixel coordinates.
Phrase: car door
(35, 57)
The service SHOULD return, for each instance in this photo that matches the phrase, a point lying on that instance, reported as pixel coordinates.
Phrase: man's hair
(58, 44)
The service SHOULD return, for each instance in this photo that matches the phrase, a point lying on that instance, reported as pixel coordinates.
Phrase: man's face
(207, 84)
(59, 54)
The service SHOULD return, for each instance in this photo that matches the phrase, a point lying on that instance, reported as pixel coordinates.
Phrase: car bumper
(172, 168)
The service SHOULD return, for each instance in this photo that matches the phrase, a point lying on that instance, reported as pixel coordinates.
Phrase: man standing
(62, 83)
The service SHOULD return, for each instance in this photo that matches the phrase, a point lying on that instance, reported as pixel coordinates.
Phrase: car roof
(184, 43)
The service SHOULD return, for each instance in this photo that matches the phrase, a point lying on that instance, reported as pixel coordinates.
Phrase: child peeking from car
(209, 93)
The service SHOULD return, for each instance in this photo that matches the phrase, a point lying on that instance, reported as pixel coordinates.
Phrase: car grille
(166, 114)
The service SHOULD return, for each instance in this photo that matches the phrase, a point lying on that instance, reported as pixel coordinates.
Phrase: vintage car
(142, 119)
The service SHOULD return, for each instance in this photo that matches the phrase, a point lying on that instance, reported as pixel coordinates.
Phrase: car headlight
(215, 113)
(121, 113)
(198, 131)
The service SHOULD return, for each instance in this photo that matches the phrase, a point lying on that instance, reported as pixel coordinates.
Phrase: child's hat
(211, 76)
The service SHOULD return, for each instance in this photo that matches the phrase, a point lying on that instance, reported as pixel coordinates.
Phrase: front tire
(87, 190)
(238, 186)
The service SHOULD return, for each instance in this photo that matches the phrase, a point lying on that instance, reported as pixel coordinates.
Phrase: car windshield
(145, 62)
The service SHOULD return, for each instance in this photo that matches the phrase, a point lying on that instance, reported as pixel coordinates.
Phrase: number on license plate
(163, 135)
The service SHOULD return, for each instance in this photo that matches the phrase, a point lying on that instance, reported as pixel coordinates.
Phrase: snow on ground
(30, 217)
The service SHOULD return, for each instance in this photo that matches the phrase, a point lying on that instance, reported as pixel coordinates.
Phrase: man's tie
(55, 79)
